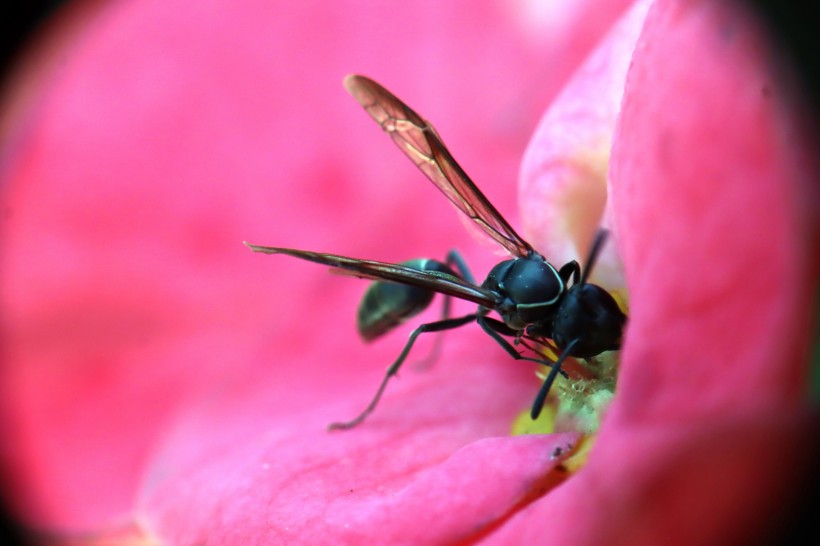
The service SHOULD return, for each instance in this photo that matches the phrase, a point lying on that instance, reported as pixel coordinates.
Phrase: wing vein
(421, 143)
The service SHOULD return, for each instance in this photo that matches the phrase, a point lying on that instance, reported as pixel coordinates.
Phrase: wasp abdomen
(386, 304)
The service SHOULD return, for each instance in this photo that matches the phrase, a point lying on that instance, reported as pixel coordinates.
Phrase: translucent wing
(419, 141)
(368, 269)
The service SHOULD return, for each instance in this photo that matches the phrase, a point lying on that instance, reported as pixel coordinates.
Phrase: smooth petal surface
(728, 160)
(710, 192)
(297, 485)
(151, 355)
(170, 385)
(563, 190)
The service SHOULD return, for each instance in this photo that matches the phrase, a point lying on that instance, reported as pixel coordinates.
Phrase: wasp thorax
(530, 285)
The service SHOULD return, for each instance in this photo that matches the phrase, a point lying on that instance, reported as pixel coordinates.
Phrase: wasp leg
(538, 404)
(495, 329)
(438, 326)
(455, 260)
(570, 270)
(594, 251)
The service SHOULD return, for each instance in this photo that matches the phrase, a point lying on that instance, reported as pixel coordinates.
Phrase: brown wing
(419, 141)
(368, 269)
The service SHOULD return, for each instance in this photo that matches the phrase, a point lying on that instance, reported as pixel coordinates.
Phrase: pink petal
(726, 483)
(166, 134)
(709, 176)
(563, 191)
(287, 479)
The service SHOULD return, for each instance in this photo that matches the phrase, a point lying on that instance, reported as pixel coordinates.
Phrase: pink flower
(163, 383)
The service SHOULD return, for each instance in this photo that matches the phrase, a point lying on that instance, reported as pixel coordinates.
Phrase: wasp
(536, 303)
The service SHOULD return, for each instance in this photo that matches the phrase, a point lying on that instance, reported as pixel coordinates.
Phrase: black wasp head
(529, 290)
(590, 315)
